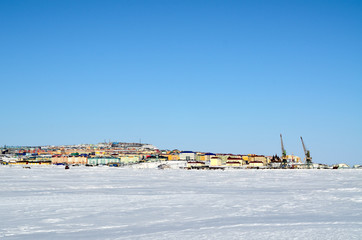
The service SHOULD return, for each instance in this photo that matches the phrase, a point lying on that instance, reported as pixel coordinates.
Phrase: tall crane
(308, 158)
(284, 154)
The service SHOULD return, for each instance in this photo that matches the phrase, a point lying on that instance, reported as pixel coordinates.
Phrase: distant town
(121, 154)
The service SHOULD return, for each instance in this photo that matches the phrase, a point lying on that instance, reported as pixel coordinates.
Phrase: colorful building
(215, 161)
(187, 156)
(103, 160)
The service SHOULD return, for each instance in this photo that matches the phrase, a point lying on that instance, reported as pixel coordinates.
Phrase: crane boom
(305, 150)
(284, 153)
(308, 158)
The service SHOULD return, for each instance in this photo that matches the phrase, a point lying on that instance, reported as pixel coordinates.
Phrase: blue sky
(218, 76)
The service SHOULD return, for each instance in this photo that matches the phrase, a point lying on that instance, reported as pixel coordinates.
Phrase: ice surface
(118, 203)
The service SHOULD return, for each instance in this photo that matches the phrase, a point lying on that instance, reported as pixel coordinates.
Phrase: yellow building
(129, 159)
(205, 157)
(173, 157)
(258, 158)
(195, 164)
(233, 163)
(215, 161)
(256, 164)
(40, 163)
(100, 153)
(30, 163)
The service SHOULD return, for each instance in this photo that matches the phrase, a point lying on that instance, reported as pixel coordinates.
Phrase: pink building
(69, 160)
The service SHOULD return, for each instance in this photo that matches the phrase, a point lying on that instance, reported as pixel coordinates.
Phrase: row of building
(117, 153)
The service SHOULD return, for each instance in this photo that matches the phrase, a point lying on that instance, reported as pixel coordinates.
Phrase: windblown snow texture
(116, 203)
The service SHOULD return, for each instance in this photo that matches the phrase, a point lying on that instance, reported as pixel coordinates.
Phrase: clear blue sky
(218, 76)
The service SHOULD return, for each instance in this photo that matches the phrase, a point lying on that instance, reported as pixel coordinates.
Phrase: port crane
(308, 158)
(284, 154)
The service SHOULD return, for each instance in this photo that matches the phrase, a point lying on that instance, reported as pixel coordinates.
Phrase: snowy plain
(119, 203)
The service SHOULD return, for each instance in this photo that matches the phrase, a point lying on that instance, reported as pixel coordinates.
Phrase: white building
(187, 156)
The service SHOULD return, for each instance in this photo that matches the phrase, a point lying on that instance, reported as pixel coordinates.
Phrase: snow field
(120, 203)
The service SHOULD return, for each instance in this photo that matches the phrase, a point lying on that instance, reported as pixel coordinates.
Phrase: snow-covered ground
(119, 203)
